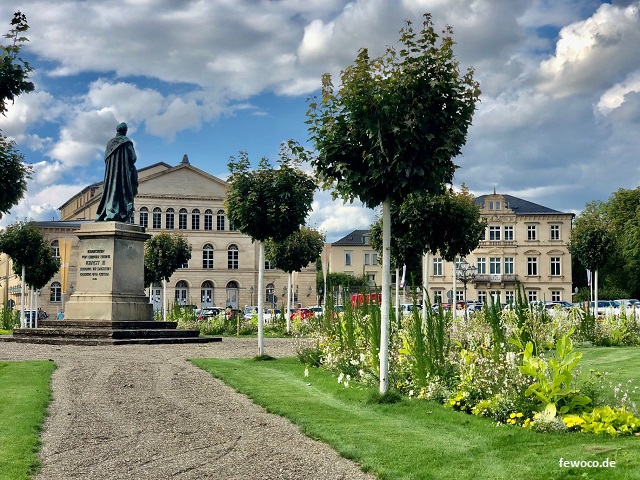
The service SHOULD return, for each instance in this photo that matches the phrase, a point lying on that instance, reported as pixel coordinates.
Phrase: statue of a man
(120, 179)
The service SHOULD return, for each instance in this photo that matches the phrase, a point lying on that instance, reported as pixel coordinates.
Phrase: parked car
(271, 314)
(606, 307)
(475, 307)
(250, 311)
(208, 313)
(558, 304)
(629, 303)
(317, 311)
(407, 308)
(302, 314)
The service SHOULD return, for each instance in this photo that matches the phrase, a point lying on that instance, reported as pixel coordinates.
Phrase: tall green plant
(553, 383)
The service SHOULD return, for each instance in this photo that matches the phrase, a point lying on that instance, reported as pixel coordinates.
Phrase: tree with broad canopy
(269, 203)
(392, 129)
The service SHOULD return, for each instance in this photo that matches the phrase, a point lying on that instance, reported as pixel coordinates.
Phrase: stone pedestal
(110, 280)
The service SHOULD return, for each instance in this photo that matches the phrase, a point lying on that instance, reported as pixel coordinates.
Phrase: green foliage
(396, 121)
(387, 398)
(14, 71)
(414, 439)
(296, 251)
(447, 223)
(27, 247)
(9, 319)
(426, 344)
(270, 203)
(14, 174)
(14, 81)
(553, 379)
(164, 253)
(604, 420)
(310, 356)
(25, 392)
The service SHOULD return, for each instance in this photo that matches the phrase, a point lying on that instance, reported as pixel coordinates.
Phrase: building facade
(524, 243)
(223, 269)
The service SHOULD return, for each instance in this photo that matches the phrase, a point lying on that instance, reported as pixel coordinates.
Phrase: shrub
(612, 421)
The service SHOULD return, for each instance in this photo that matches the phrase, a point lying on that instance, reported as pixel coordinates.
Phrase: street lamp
(465, 273)
(251, 290)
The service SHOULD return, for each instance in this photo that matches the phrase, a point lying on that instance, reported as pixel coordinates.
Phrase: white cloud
(40, 204)
(336, 219)
(615, 96)
(556, 111)
(593, 52)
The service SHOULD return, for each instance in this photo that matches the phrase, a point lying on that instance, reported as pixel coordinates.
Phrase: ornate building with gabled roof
(223, 269)
(524, 243)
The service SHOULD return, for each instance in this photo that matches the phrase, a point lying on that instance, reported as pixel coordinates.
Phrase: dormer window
(366, 239)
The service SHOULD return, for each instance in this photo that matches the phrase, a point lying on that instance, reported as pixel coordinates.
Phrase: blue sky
(557, 123)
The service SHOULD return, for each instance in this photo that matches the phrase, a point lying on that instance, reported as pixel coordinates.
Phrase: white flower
(362, 357)
(361, 372)
(346, 384)
(306, 372)
(340, 377)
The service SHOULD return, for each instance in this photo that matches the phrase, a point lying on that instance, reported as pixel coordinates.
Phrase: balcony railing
(498, 243)
(496, 279)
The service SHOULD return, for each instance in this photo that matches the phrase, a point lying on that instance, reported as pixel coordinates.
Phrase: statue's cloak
(120, 181)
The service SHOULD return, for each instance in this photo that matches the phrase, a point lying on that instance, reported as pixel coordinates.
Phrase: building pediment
(184, 180)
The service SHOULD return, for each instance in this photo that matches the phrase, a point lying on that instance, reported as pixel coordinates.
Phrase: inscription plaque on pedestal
(110, 282)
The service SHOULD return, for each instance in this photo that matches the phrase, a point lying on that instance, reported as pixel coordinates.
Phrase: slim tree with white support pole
(393, 128)
(269, 203)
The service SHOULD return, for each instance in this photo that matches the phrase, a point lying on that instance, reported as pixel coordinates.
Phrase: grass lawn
(24, 396)
(622, 367)
(417, 439)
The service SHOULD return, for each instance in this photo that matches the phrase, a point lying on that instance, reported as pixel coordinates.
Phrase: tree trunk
(595, 289)
(454, 298)
(425, 285)
(288, 314)
(386, 293)
(164, 299)
(261, 299)
(397, 295)
(22, 320)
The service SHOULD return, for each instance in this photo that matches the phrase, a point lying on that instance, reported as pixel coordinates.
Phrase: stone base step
(104, 332)
(106, 341)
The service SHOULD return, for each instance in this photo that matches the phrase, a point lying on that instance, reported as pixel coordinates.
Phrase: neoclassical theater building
(223, 269)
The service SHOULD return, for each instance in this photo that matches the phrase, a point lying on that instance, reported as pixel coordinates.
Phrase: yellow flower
(519, 414)
(513, 415)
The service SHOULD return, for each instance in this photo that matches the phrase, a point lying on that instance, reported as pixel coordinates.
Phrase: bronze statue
(120, 179)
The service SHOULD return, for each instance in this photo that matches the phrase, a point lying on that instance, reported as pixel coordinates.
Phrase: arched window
(208, 220)
(169, 219)
(55, 294)
(271, 298)
(144, 217)
(206, 294)
(232, 294)
(220, 220)
(55, 246)
(207, 256)
(182, 219)
(182, 292)
(195, 219)
(232, 258)
(157, 218)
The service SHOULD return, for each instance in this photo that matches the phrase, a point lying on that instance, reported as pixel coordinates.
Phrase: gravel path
(144, 412)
